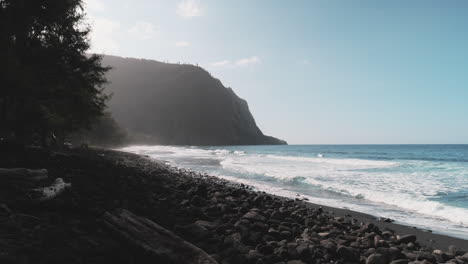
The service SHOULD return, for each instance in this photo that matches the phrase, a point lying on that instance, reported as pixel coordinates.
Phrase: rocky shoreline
(232, 223)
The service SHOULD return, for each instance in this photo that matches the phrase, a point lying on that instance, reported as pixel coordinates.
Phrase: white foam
(384, 188)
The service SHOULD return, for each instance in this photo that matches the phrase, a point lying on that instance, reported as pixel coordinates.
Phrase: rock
(328, 245)
(193, 232)
(348, 253)
(377, 241)
(296, 262)
(440, 258)
(303, 251)
(368, 227)
(292, 250)
(410, 255)
(266, 249)
(376, 259)
(420, 262)
(253, 256)
(406, 239)
(206, 224)
(252, 215)
(234, 241)
(455, 251)
(427, 256)
(286, 234)
(390, 253)
(464, 257)
(400, 261)
(324, 234)
(198, 201)
(255, 237)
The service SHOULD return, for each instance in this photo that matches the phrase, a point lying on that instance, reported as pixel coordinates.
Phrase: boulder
(376, 259)
(406, 239)
(255, 216)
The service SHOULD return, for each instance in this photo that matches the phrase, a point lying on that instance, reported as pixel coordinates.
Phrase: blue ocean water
(419, 185)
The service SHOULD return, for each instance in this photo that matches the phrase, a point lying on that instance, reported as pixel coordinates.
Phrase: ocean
(419, 185)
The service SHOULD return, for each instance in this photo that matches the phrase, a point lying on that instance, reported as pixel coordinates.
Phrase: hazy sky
(316, 72)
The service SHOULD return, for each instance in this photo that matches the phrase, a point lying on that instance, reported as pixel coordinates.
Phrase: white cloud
(243, 62)
(247, 61)
(143, 30)
(94, 5)
(182, 44)
(103, 32)
(189, 9)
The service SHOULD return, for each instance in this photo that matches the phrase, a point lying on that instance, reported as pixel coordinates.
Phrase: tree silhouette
(49, 85)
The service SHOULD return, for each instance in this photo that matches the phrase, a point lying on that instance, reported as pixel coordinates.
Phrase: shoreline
(425, 237)
(229, 221)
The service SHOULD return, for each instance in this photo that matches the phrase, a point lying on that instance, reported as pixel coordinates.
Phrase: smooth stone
(348, 253)
(296, 262)
(427, 256)
(376, 259)
(400, 261)
(252, 215)
(464, 257)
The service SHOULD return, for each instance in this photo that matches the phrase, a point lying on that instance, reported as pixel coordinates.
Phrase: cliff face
(174, 104)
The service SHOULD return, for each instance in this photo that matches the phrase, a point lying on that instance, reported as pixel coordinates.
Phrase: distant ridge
(178, 104)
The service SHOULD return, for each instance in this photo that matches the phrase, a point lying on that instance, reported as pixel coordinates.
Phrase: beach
(231, 222)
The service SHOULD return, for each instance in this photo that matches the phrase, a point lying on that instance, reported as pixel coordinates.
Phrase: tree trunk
(22, 175)
(160, 244)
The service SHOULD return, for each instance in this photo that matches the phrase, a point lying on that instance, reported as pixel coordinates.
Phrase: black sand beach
(230, 222)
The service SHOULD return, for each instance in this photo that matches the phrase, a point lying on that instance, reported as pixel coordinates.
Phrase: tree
(49, 85)
(104, 131)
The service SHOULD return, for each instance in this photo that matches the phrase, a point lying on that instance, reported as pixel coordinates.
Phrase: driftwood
(49, 192)
(154, 240)
(22, 175)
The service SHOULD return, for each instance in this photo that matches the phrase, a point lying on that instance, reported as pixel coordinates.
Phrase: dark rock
(464, 257)
(198, 201)
(427, 256)
(420, 262)
(411, 246)
(252, 215)
(391, 253)
(253, 256)
(206, 224)
(255, 237)
(193, 231)
(296, 262)
(376, 259)
(286, 234)
(266, 249)
(303, 251)
(410, 255)
(368, 227)
(328, 245)
(400, 261)
(439, 258)
(406, 239)
(378, 241)
(234, 241)
(348, 253)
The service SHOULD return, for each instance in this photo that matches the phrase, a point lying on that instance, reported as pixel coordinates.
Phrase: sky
(313, 72)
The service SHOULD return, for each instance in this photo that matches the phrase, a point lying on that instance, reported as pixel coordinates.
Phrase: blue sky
(313, 72)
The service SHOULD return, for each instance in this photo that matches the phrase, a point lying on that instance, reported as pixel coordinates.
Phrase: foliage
(49, 85)
(104, 131)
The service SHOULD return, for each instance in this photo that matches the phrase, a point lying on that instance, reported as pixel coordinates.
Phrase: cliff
(174, 104)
